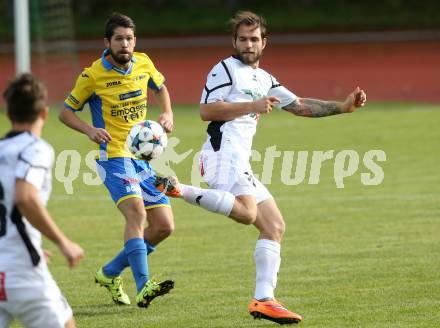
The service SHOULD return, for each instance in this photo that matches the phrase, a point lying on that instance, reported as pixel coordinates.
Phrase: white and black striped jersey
(22, 156)
(233, 81)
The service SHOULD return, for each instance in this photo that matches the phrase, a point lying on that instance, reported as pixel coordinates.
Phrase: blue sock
(115, 267)
(136, 251)
(150, 247)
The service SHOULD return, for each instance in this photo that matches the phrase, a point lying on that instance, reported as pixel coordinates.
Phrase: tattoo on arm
(314, 108)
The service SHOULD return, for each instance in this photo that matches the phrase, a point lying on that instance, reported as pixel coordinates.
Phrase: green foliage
(206, 17)
(201, 17)
(362, 256)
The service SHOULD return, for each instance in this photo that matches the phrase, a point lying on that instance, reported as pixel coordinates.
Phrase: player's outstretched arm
(162, 97)
(70, 119)
(225, 111)
(319, 108)
(29, 204)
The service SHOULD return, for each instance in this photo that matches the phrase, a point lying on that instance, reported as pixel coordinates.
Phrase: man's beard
(249, 60)
(119, 59)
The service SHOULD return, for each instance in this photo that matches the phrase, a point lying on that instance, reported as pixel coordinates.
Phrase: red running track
(386, 71)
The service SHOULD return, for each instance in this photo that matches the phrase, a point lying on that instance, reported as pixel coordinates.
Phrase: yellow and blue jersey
(117, 98)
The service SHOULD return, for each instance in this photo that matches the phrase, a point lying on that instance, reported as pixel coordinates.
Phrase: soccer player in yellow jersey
(115, 86)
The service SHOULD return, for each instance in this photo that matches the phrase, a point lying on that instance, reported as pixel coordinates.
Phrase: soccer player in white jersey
(236, 93)
(27, 290)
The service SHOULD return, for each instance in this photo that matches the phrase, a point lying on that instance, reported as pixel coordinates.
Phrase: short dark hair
(118, 20)
(247, 18)
(25, 98)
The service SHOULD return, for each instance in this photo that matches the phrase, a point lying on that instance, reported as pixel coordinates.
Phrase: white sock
(267, 260)
(213, 200)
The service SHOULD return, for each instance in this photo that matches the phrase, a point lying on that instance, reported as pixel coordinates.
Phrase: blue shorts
(127, 178)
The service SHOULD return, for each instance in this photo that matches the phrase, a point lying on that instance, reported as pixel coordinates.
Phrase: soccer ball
(147, 140)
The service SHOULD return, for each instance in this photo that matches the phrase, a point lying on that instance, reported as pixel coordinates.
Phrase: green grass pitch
(362, 256)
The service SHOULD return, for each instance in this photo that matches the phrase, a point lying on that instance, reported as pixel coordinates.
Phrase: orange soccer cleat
(274, 311)
(170, 185)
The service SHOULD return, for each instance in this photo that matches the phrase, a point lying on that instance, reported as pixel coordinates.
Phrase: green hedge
(197, 17)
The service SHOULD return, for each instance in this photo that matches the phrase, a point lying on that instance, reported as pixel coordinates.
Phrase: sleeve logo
(73, 99)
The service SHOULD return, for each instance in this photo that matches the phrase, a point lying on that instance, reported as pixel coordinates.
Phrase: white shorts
(36, 307)
(226, 171)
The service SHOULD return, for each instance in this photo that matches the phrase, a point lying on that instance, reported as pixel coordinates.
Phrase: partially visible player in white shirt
(236, 93)
(27, 290)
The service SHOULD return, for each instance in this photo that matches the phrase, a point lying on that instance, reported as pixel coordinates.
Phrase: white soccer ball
(147, 140)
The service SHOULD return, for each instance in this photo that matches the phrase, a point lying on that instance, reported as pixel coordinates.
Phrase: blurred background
(317, 48)
(345, 250)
